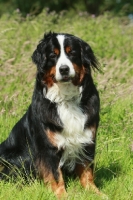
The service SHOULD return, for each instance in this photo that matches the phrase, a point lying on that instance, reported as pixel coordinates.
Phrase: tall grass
(111, 39)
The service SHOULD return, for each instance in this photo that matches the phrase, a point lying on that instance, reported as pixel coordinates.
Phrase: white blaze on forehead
(63, 59)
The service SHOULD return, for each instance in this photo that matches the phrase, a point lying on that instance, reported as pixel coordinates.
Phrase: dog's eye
(72, 53)
(52, 55)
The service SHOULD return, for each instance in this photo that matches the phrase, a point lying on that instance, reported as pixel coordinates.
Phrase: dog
(57, 134)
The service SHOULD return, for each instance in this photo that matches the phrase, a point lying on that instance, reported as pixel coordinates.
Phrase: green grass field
(111, 38)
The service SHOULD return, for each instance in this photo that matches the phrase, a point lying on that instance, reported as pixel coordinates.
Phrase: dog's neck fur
(59, 93)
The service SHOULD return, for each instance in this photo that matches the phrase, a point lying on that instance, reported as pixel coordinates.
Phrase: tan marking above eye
(68, 49)
(56, 51)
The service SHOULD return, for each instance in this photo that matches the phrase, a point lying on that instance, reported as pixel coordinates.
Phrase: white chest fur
(73, 137)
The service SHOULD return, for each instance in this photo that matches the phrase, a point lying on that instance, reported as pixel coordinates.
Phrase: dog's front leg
(53, 178)
(85, 174)
(57, 185)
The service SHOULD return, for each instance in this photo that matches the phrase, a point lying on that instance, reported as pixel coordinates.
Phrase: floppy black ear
(38, 56)
(88, 56)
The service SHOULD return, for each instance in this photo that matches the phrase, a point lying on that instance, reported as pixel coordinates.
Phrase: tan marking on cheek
(57, 186)
(85, 175)
(80, 73)
(56, 51)
(49, 77)
(76, 68)
(68, 49)
(52, 71)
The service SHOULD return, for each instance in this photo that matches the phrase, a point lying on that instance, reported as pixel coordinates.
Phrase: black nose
(64, 70)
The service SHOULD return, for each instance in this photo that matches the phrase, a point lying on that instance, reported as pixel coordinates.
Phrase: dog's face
(63, 58)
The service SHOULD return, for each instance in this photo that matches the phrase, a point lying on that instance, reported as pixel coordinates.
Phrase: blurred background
(95, 7)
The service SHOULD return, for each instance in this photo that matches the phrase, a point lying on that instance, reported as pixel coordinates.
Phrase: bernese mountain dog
(57, 134)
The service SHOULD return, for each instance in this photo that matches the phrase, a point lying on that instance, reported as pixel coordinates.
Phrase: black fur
(28, 144)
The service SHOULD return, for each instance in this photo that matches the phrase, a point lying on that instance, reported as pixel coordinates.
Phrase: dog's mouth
(66, 78)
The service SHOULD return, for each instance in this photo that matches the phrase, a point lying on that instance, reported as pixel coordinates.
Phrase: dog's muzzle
(64, 71)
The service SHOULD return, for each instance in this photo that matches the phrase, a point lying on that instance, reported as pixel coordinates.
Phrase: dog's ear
(39, 55)
(88, 57)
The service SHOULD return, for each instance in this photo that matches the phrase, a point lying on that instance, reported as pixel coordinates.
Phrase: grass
(111, 38)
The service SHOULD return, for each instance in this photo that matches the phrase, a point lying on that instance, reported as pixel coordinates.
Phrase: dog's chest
(72, 118)
(73, 137)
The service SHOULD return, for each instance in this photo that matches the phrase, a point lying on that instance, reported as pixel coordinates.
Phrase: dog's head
(63, 58)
